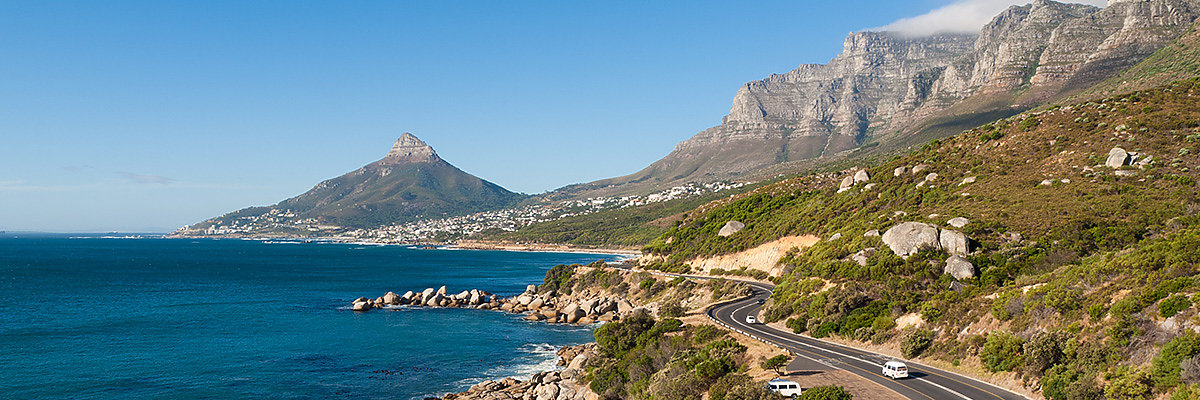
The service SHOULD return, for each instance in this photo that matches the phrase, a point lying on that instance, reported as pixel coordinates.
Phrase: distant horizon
(135, 117)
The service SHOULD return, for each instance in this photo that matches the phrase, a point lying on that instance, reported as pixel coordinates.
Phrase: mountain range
(885, 92)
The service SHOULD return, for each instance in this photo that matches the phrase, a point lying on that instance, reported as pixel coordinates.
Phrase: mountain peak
(409, 149)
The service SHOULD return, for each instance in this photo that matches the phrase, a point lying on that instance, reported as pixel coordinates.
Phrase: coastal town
(288, 223)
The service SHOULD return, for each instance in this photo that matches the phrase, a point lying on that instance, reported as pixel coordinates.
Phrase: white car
(785, 388)
(895, 370)
(751, 320)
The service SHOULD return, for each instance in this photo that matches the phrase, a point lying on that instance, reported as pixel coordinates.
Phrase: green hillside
(1085, 273)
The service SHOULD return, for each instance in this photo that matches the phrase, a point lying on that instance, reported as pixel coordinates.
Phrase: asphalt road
(923, 383)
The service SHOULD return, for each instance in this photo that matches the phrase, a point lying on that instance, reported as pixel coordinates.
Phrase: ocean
(111, 318)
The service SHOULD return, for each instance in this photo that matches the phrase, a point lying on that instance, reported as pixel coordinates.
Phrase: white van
(751, 320)
(895, 370)
(785, 387)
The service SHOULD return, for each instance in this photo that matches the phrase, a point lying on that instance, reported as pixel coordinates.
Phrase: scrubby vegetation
(1084, 277)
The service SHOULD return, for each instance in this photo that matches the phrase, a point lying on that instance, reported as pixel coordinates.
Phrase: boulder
(899, 171)
(464, 295)
(931, 177)
(835, 236)
(966, 181)
(958, 222)
(731, 228)
(534, 317)
(907, 238)
(361, 306)
(1116, 158)
(379, 301)
(862, 176)
(606, 306)
(537, 303)
(409, 295)
(573, 315)
(624, 306)
(1144, 161)
(862, 255)
(442, 290)
(847, 182)
(959, 267)
(547, 392)
(426, 295)
(920, 168)
(871, 233)
(585, 320)
(1047, 182)
(475, 298)
(531, 289)
(869, 186)
(589, 306)
(1122, 172)
(524, 299)
(953, 242)
(391, 298)
(550, 314)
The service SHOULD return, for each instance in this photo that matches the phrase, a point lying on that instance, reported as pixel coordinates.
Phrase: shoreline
(465, 245)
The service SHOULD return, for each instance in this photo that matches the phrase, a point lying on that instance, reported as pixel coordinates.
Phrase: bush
(1045, 350)
(1002, 352)
(1128, 384)
(914, 341)
(1166, 368)
(671, 309)
(826, 393)
(1189, 392)
(1173, 305)
(775, 363)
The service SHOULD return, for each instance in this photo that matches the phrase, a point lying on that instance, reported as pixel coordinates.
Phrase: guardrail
(709, 314)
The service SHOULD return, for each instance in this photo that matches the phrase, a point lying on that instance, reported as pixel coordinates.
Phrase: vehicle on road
(895, 370)
(751, 320)
(785, 388)
(760, 301)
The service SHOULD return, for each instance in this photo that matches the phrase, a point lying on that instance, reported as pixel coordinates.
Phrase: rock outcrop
(959, 267)
(564, 384)
(906, 239)
(731, 228)
(548, 307)
(885, 87)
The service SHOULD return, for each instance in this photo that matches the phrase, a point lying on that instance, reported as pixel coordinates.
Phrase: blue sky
(145, 116)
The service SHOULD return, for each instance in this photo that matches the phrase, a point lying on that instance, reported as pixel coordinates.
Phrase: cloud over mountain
(958, 17)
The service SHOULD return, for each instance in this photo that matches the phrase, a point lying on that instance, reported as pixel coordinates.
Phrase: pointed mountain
(410, 183)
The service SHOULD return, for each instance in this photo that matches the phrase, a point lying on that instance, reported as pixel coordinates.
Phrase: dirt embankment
(764, 258)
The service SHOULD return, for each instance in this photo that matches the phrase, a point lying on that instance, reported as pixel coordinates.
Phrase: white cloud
(959, 16)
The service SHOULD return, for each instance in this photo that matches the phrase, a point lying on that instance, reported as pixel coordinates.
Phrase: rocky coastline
(582, 308)
(560, 384)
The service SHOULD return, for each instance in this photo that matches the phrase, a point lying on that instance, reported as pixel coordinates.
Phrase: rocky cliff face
(884, 86)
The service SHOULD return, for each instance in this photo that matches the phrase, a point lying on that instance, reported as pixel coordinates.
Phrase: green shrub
(1045, 350)
(1127, 384)
(1170, 306)
(1165, 370)
(826, 393)
(914, 341)
(1189, 392)
(1002, 352)
(775, 363)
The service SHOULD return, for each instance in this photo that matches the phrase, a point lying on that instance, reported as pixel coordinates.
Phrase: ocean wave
(533, 358)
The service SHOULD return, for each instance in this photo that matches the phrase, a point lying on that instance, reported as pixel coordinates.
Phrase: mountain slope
(889, 91)
(411, 182)
(1076, 271)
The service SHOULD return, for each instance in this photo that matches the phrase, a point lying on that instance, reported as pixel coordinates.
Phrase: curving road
(924, 383)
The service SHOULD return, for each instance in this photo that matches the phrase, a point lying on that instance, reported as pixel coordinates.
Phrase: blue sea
(112, 318)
